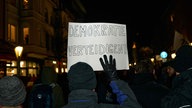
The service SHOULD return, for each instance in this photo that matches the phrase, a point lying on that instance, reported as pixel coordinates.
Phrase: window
(27, 68)
(46, 16)
(11, 33)
(33, 68)
(40, 37)
(26, 4)
(47, 41)
(26, 35)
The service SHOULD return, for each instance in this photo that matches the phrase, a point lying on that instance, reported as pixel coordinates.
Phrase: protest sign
(87, 42)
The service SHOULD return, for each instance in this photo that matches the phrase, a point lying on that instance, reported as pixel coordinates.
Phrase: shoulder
(56, 87)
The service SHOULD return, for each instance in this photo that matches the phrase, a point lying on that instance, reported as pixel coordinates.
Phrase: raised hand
(109, 67)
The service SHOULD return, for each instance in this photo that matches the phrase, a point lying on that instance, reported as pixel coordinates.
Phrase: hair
(144, 66)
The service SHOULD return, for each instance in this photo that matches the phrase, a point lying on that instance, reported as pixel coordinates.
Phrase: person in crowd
(48, 76)
(167, 74)
(63, 82)
(12, 92)
(180, 95)
(144, 85)
(82, 84)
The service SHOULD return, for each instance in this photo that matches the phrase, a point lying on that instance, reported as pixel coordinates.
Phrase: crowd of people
(82, 87)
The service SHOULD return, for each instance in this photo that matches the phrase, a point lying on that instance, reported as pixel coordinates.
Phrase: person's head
(168, 70)
(48, 75)
(12, 91)
(81, 76)
(144, 66)
(183, 59)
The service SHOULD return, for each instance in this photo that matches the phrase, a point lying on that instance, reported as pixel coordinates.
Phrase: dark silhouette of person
(180, 95)
(144, 85)
(82, 84)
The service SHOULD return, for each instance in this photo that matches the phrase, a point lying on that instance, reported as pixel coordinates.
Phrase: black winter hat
(12, 91)
(183, 59)
(81, 76)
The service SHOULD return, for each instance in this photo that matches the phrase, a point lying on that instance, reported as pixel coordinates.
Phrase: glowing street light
(18, 53)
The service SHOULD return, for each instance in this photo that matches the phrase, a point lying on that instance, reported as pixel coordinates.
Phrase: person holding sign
(82, 84)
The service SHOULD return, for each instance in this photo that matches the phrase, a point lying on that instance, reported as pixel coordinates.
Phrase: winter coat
(83, 98)
(148, 92)
(180, 96)
(48, 76)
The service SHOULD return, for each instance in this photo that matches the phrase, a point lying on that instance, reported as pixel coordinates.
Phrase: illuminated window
(27, 68)
(26, 35)
(26, 4)
(23, 63)
(11, 33)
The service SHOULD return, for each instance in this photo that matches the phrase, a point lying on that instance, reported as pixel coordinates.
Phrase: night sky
(145, 20)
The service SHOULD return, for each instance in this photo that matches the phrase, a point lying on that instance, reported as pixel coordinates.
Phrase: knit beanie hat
(12, 91)
(81, 76)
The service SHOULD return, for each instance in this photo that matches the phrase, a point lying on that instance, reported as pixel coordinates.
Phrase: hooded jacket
(148, 92)
(84, 98)
(48, 76)
(181, 95)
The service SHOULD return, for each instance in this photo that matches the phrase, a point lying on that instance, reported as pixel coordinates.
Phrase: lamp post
(18, 53)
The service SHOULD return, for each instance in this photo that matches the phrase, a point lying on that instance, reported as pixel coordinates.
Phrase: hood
(48, 75)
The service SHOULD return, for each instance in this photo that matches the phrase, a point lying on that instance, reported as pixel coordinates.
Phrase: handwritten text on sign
(89, 41)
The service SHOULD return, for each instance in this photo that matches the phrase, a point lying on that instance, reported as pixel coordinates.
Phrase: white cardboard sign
(87, 42)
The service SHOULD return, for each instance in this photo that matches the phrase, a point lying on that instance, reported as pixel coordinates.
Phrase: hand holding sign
(109, 67)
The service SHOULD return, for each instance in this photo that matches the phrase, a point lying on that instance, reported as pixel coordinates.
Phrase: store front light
(190, 44)
(173, 55)
(62, 70)
(56, 70)
(152, 60)
(66, 70)
(54, 62)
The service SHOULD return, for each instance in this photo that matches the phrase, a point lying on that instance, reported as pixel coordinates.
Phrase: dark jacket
(181, 94)
(148, 92)
(83, 98)
(49, 76)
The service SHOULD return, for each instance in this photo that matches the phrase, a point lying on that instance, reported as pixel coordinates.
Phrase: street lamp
(18, 53)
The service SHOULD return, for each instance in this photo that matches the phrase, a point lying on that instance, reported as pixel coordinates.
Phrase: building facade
(31, 24)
